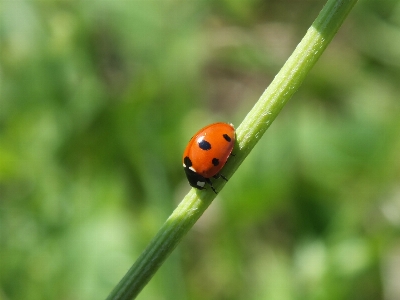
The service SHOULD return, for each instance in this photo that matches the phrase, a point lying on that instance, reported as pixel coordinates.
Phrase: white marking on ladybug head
(184, 165)
(200, 183)
(191, 168)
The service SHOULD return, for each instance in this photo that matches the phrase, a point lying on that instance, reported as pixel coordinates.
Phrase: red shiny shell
(209, 149)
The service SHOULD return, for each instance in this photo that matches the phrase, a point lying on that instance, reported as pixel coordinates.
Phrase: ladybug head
(195, 179)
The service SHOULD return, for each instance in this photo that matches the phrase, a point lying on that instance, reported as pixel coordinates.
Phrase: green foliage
(98, 100)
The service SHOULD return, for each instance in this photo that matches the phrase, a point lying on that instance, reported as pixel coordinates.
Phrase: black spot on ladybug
(227, 137)
(187, 162)
(215, 161)
(204, 145)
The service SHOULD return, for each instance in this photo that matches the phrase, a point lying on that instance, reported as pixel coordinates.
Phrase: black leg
(220, 175)
(211, 185)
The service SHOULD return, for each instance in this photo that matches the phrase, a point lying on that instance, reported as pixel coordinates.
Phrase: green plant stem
(287, 81)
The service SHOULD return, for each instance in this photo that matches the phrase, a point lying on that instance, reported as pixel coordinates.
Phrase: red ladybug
(206, 154)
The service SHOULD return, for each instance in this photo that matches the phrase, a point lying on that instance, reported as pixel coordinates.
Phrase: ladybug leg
(211, 185)
(220, 175)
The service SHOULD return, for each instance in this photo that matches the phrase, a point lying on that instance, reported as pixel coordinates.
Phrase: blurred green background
(98, 100)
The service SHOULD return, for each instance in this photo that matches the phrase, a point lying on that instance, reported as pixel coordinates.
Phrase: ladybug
(206, 154)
